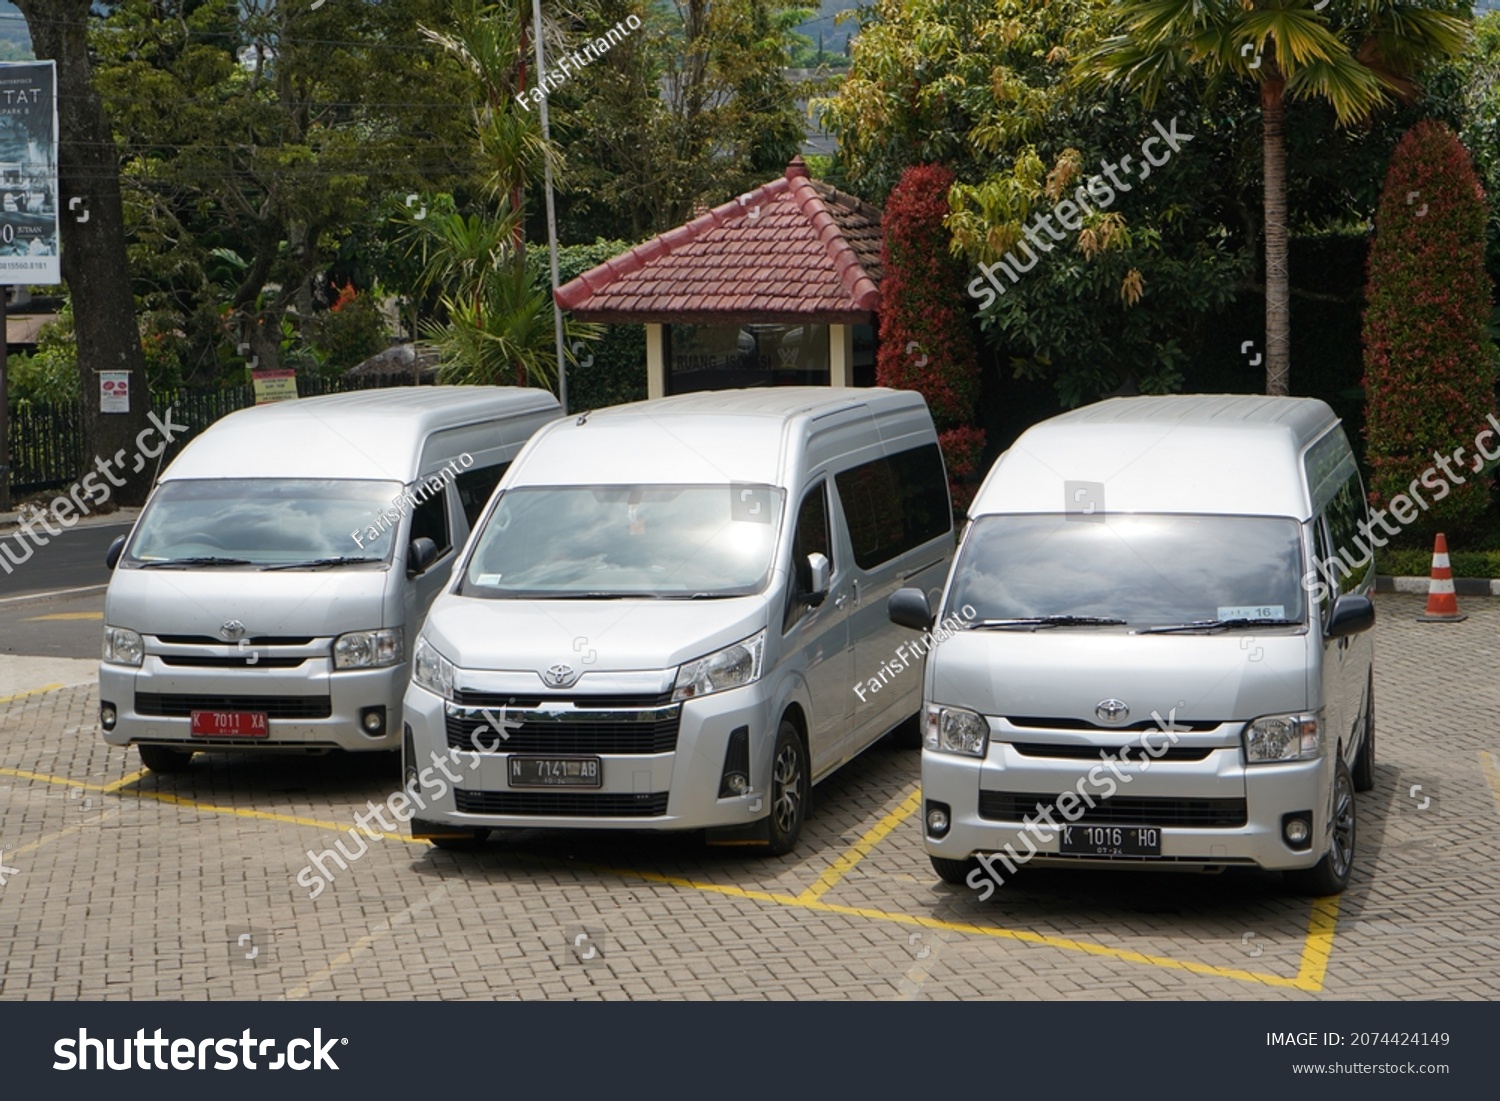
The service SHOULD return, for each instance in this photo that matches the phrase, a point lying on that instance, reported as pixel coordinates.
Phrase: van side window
(812, 537)
(894, 504)
(1351, 556)
(475, 488)
(431, 520)
(1323, 573)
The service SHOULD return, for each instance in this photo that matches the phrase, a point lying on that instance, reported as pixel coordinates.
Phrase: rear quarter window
(894, 504)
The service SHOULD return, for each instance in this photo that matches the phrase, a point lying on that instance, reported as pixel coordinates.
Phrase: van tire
(790, 789)
(908, 735)
(1330, 875)
(956, 872)
(1364, 764)
(163, 758)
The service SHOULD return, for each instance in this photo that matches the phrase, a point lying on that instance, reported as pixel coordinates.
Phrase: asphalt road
(71, 560)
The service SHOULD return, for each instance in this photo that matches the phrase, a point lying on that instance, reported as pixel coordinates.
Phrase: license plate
(229, 724)
(556, 772)
(1107, 841)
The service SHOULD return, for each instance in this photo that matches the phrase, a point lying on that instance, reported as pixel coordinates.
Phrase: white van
(672, 615)
(269, 592)
(1163, 661)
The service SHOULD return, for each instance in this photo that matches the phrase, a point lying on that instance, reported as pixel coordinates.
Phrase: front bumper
(673, 783)
(309, 705)
(1212, 812)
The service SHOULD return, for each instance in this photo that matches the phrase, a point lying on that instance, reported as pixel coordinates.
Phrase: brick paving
(183, 887)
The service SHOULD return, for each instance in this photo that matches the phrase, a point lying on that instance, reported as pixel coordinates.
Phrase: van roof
(1221, 453)
(367, 434)
(707, 437)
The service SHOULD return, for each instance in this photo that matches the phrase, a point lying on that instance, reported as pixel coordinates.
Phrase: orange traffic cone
(1442, 603)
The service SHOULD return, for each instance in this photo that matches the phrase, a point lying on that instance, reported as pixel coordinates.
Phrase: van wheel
(1364, 764)
(789, 789)
(909, 734)
(955, 872)
(1330, 875)
(163, 758)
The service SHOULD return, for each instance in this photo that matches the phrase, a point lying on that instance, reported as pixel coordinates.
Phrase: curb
(10, 521)
(1462, 586)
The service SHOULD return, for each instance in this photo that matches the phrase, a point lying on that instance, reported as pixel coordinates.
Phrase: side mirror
(421, 554)
(908, 608)
(117, 548)
(1352, 614)
(820, 580)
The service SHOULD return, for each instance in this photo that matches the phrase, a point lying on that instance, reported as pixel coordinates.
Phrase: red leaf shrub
(926, 343)
(1429, 364)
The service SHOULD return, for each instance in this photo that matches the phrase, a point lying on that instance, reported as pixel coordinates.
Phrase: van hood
(1065, 673)
(597, 636)
(285, 603)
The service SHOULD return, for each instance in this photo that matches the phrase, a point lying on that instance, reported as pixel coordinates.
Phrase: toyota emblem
(1112, 711)
(560, 676)
(232, 630)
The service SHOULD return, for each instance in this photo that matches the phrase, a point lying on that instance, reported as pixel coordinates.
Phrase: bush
(350, 332)
(1429, 363)
(926, 343)
(612, 369)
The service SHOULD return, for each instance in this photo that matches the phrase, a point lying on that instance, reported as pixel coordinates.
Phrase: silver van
(269, 592)
(1163, 660)
(672, 615)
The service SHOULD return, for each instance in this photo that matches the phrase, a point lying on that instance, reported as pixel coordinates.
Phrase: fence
(47, 441)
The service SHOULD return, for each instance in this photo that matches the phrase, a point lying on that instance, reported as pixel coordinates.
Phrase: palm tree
(1359, 55)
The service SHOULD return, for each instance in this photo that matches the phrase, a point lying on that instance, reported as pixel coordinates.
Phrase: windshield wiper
(1217, 625)
(1047, 621)
(162, 563)
(319, 563)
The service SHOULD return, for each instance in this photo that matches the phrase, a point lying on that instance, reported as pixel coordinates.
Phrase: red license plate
(229, 724)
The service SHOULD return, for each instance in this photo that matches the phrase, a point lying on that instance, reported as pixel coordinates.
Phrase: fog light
(372, 721)
(107, 716)
(1296, 831)
(937, 820)
(737, 782)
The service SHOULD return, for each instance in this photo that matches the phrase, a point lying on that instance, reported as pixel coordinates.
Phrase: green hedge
(1418, 563)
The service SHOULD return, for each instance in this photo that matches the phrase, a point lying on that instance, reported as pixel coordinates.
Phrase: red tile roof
(794, 249)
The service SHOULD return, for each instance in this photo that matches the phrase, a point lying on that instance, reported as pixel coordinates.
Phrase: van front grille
(646, 731)
(1121, 753)
(560, 804)
(1121, 810)
(178, 706)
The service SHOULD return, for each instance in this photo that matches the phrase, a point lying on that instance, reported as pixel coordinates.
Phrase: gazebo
(779, 287)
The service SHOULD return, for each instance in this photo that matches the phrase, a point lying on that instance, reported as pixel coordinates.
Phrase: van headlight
(369, 649)
(123, 646)
(956, 730)
(431, 670)
(1284, 738)
(732, 667)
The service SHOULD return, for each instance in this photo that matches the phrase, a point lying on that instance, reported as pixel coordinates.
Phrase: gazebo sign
(28, 174)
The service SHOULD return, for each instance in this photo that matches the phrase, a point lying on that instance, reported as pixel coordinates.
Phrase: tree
(93, 251)
(1357, 56)
(255, 134)
(989, 91)
(1430, 366)
(691, 108)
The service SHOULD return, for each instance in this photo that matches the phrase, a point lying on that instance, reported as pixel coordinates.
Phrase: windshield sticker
(1253, 611)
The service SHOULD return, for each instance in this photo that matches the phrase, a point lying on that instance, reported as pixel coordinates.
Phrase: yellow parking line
(34, 692)
(861, 848)
(132, 778)
(1319, 944)
(56, 616)
(364, 943)
(22, 774)
(1491, 774)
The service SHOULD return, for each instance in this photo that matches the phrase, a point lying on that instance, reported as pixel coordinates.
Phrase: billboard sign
(28, 173)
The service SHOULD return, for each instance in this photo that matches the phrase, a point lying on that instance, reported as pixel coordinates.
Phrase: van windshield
(266, 522)
(1144, 569)
(668, 541)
